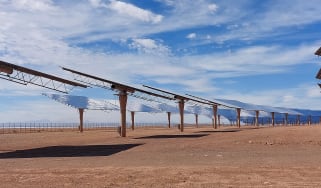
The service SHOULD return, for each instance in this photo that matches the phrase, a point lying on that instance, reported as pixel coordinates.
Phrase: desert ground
(162, 157)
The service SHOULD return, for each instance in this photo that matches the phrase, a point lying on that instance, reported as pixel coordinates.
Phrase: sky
(259, 52)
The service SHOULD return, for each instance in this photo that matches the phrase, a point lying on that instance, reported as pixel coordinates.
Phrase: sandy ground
(162, 157)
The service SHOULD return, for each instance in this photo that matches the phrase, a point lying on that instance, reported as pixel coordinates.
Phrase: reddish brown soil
(161, 157)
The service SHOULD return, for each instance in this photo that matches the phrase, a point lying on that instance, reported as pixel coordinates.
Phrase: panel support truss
(25, 76)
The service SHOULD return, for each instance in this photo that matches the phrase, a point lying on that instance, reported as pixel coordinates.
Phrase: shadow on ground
(231, 130)
(222, 131)
(69, 151)
(174, 136)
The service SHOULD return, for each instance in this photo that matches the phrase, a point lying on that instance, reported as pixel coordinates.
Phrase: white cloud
(251, 60)
(133, 11)
(271, 21)
(95, 3)
(288, 99)
(149, 46)
(146, 43)
(297, 13)
(33, 5)
(212, 7)
(80, 20)
(243, 25)
(199, 85)
(295, 97)
(122, 22)
(313, 92)
(191, 36)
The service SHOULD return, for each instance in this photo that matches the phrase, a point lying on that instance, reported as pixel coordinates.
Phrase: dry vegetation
(161, 157)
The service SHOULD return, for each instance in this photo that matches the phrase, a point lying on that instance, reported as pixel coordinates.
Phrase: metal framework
(318, 52)
(181, 101)
(318, 76)
(215, 107)
(112, 85)
(25, 76)
(123, 92)
(178, 97)
(210, 101)
(256, 110)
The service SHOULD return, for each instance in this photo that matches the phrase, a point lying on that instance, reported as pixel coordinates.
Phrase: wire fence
(31, 127)
(7, 128)
(34, 127)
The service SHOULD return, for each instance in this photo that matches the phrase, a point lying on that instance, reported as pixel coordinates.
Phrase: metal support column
(286, 119)
(257, 117)
(196, 120)
(169, 119)
(238, 112)
(123, 103)
(133, 120)
(215, 116)
(181, 112)
(81, 118)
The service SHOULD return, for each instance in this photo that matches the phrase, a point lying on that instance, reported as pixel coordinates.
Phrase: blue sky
(260, 52)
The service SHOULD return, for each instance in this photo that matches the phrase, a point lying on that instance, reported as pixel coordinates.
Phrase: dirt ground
(162, 157)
